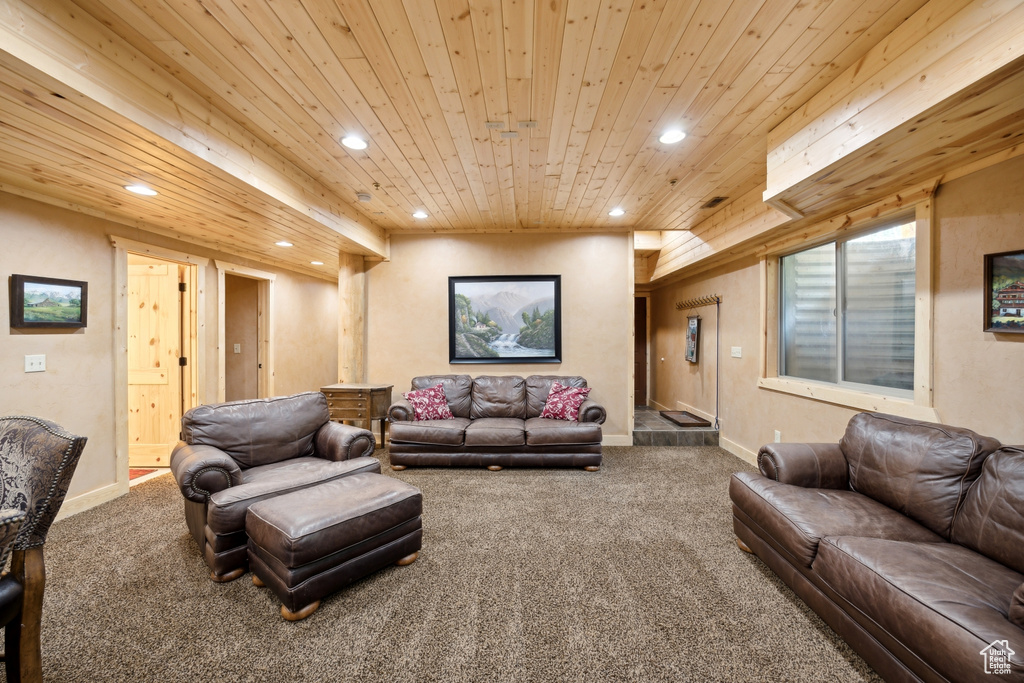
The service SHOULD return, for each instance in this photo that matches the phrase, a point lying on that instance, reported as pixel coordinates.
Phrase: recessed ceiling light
(617, 211)
(420, 214)
(670, 137)
(141, 189)
(316, 263)
(283, 243)
(354, 142)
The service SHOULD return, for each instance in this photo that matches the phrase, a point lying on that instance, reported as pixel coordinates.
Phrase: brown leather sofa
(496, 423)
(233, 455)
(906, 537)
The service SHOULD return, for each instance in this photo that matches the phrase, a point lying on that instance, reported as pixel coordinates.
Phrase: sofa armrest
(401, 411)
(592, 411)
(337, 441)
(811, 465)
(203, 470)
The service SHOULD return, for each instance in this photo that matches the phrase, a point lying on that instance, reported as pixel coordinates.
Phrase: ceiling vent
(509, 134)
(713, 202)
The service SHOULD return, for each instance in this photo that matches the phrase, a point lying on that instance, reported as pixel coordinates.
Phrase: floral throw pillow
(429, 404)
(564, 402)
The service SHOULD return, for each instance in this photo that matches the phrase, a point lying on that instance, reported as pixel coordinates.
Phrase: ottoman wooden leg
(257, 581)
(301, 614)
(408, 559)
(230, 576)
(494, 468)
(743, 546)
(398, 468)
(592, 468)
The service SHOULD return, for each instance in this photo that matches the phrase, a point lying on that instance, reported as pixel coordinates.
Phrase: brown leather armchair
(235, 454)
(37, 460)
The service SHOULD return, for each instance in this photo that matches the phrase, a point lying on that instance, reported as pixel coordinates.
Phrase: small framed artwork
(692, 338)
(48, 302)
(1004, 292)
(505, 319)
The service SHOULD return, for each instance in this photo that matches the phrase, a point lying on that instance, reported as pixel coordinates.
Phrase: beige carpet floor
(628, 574)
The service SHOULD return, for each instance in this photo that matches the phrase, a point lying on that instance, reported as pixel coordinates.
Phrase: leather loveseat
(496, 423)
(235, 454)
(906, 537)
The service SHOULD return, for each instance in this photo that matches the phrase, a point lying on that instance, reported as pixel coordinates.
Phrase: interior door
(640, 351)
(154, 349)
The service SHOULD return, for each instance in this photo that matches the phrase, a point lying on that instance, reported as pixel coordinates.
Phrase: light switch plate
(238, 348)
(35, 363)
(737, 352)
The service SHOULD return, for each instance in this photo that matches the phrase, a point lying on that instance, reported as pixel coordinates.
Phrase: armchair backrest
(259, 431)
(37, 460)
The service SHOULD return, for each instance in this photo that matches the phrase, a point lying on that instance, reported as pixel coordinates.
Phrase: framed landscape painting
(1004, 292)
(505, 319)
(48, 302)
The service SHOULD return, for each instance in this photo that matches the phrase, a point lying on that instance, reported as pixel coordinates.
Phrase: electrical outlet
(778, 436)
(238, 348)
(737, 352)
(35, 363)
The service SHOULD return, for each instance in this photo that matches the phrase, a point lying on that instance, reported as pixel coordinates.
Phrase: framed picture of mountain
(48, 302)
(1004, 292)
(505, 319)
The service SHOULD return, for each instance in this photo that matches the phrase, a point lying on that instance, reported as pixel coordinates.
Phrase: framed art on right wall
(1004, 292)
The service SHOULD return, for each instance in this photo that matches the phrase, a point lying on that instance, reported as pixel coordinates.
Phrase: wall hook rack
(699, 301)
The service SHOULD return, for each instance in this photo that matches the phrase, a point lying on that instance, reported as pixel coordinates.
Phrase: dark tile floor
(651, 429)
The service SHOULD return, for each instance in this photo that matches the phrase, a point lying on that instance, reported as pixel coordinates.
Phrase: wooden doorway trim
(265, 327)
(195, 320)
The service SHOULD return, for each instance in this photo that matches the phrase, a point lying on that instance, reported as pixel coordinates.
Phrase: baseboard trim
(90, 499)
(617, 440)
(738, 450)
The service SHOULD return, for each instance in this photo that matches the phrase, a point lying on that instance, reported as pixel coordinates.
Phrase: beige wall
(977, 376)
(408, 309)
(77, 390)
(241, 298)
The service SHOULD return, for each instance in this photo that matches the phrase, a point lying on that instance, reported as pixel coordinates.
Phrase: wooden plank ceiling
(488, 115)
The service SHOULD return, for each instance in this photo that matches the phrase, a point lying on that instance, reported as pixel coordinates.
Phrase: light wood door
(154, 347)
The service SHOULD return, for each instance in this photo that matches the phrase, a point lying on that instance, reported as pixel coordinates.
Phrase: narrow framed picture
(1004, 292)
(692, 338)
(505, 319)
(38, 301)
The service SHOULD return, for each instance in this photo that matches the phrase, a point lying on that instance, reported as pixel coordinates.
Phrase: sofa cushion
(539, 386)
(429, 404)
(259, 431)
(991, 520)
(431, 432)
(498, 397)
(942, 601)
(796, 518)
(495, 431)
(918, 468)
(541, 431)
(226, 509)
(1017, 606)
(457, 389)
(564, 402)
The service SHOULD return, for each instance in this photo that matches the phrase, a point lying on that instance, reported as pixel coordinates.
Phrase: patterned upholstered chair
(37, 459)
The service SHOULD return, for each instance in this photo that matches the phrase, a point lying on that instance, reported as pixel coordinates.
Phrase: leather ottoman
(308, 544)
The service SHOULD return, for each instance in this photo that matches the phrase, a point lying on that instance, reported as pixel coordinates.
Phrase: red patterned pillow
(429, 404)
(564, 402)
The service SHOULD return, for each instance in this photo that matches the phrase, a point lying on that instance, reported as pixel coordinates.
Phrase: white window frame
(859, 397)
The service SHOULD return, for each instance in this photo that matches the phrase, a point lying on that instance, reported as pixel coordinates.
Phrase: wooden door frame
(193, 391)
(264, 327)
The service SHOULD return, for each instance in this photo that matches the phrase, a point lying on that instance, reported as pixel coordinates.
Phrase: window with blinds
(847, 310)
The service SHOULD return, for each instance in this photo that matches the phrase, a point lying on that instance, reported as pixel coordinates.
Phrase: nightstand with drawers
(359, 403)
